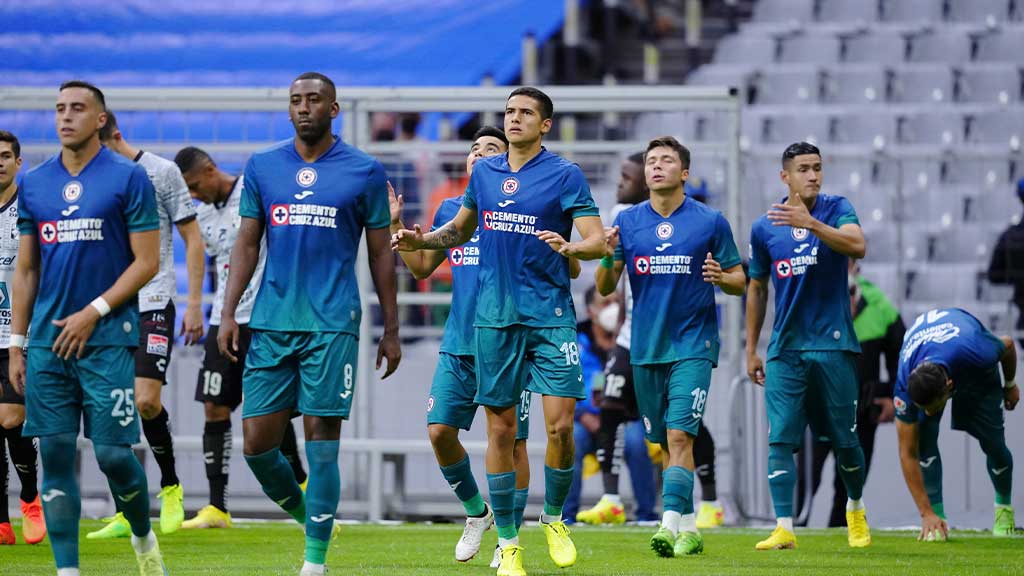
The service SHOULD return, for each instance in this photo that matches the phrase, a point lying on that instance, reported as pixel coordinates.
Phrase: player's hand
(227, 338)
(888, 413)
(395, 203)
(391, 349)
(407, 240)
(590, 421)
(611, 240)
(712, 270)
(554, 241)
(76, 331)
(755, 369)
(16, 369)
(192, 324)
(789, 215)
(931, 523)
(1010, 397)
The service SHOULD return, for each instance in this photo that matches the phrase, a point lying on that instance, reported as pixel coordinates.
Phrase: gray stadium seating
(910, 175)
(784, 10)
(912, 11)
(846, 174)
(948, 285)
(747, 50)
(981, 173)
(809, 49)
(937, 128)
(941, 46)
(966, 243)
(876, 129)
(848, 11)
(787, 85)
(997, 127)
(875, 205)
(855, 84)
(785, 129)
(992, 206)
(1004, 45)
(990, 84)
(922, 83)
(876, 46)
(979, 10)
(940, 206)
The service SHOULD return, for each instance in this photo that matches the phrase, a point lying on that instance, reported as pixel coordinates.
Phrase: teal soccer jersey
(83, 224)
(674, 315)
(522, 280)
(314, 214)
(812, 302)
(465, 265)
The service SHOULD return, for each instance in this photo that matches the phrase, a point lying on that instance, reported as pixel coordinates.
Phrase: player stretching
(803, 243)
(947, 353)
(219, 385)
(676, 346)
(525, 320)
(156, 323)
(312, 196)
(12, 402)
(89, 242)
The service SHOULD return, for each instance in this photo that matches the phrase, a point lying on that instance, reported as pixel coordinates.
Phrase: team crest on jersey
(664, 230)
(799, 234)
(156, 344)
(647, 424)
(279, 214)
(430, 403)
(642, 264)
(456, 256)
(72, 191)
(48, 232)
(900, 404)
(510, 186)
(783, 269)
(306, 177)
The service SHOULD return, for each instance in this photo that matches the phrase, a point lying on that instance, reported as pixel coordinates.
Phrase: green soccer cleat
(151, 563)
(117, 527)
(560, 545)
(172, 513)
(664, 543)
(689, 543)
(1004, 524)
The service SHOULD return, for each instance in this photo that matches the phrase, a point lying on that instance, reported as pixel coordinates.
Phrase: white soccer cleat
(472, 535)
(310, 569)
(496, 561)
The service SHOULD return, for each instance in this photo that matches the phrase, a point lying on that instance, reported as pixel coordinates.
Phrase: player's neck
(667, 203)
(311, 151)
(521, 153)
(75, 159)
(227, 184)
(8, 193)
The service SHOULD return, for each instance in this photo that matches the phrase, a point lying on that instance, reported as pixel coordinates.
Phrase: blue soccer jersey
(812, 302)
(83, 224)
(522, 280)
(674, 315)
(465, 264)
(953, 339)
(314, 214)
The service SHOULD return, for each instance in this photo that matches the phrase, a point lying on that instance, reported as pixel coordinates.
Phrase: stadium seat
(996, 207)
(746, 49)
(885, 276)
(853, 11)
(1003, 126)
(813, 127)
(915, 242)
(1003, 45)
(846, 174)
(875, 129)
(736, 75)
(883, 243)
(912, 11)
(784, 10)
(787, 85)
(941, 206)
(948, 285)
(922, 83)
(809, 49)
(940, 45)
(943, 129)
(989, 84)
(964, 243)
(981, 173)
(855, 84)
(874, 205)
(995, 292)
(981, 11)
(909, 173)
(875, 46)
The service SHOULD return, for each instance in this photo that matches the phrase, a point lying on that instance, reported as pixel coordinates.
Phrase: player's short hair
(798, 149)
(547, 107)
(670, 142)
(107, 130)
(191, 157)
(493, 131)
(637, 158)
(6, 136)
(927, 383)
(96, 92)
(332, 89)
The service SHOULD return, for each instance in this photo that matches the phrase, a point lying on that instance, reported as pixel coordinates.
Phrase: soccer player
(156, 323)
(525, 324)
(676, 346)
(804, 243)
(89, 242)
(311, 196)
(12, 402)
(947, 353)
(219, 385)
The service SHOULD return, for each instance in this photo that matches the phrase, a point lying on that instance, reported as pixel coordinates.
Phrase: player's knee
(57, 451)
(560, 431)
(11, 415)
(149, 408)
(216, 413)
(442, 436)
(114, 459)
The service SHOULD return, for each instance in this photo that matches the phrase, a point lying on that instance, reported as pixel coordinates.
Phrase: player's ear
(335, 109)
(685, 174)
(545, 126)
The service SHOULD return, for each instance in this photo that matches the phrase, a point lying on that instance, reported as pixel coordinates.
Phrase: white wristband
(17, 341)
(1006, 385)
(101, 306)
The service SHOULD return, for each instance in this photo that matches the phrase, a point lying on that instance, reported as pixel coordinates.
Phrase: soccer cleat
(172, 513)
(209, 517)
(710, 516)
(780, 539)
(664, 543)
(303, 485)
(117, 527)
(1004, 524)
(33, 526)
(604, 512)
(469, 544)
(857, 532)
(560, 546)
(511, 561)
(496, 560)
(309, 569)
(7, 534)
(151, 563)
(689, 543)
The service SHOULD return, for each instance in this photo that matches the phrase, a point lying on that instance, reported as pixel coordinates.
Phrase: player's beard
(313, 133)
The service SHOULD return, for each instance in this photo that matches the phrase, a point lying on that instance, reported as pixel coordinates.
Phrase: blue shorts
(314, 372)
(816, 387)
(672, 396)
(98, 388)
(517, 358)
(452, 391)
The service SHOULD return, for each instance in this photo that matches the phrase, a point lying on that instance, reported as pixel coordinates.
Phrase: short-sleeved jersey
(8, 257)
(953, 339)
(83, 225)
(314, 214)
(812, 299)
(173, 205)
(673, 306)
(465, 265)
(218, 225)
(623, 338)
(522, 280)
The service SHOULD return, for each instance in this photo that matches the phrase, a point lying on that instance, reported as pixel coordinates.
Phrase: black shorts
(220, 379)
(7, 393)
(156, 339)
(619, 393)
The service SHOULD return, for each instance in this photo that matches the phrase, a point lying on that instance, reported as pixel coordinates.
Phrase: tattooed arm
(455, 233)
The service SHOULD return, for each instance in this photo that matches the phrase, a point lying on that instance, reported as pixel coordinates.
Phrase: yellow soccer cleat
(604, 512)
(560, 546)
(172, 511)
(117, 527)
(303, 485)
(209, 517)
(710, 516)
(780, 539)
(857, 532)
(511, 561)
(151, 563)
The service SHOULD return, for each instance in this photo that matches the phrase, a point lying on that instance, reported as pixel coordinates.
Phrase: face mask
(608, 318)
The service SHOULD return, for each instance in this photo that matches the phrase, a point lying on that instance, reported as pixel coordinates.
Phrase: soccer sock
(781, 479)
(23, 454)
(677, 496)
(932, 475)
(217, 442)
(68, 572)
(502, 488)
(322, 495)
(556, 487)
(939, 509)
(158, 434)
(290, 450)
(127, 481)
(460, 478)
(851, 469)
(4, 502)
(143, 544)
(278, 482)
(62, 504)
(521, 496)
(612, 438)
(704, 460)
(1000, 470)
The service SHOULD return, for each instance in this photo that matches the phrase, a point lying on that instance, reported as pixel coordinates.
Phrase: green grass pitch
(411, 549)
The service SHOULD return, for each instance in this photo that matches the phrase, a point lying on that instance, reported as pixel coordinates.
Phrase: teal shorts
(98, 388)
(452, 391)
(313, 372)
(517, 358)
(672, 396)
(816, 387)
